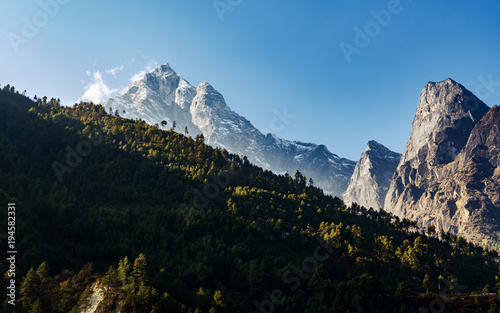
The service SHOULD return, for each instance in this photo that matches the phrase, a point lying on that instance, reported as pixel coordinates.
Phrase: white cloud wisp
(98, 91)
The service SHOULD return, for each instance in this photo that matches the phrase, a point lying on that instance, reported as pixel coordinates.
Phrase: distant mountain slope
(124, 230)
(372, 176)
(163, 95)
(449, 172)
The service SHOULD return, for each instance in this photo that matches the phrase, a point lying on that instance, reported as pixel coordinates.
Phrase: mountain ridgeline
(422, 188)
(164, 96)
(108, 220)
(448, 175)
(372, 176)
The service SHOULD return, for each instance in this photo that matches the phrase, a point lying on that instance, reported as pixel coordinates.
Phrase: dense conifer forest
(161, 222)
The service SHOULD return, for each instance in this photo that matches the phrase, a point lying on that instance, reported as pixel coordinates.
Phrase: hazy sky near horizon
(340, 72)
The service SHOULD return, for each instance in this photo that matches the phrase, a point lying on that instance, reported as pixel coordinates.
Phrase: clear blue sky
(263, 56)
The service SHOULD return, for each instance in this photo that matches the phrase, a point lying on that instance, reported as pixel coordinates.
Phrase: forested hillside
(162, 222)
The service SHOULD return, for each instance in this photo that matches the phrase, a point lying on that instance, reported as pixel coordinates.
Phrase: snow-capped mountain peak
(163, 95)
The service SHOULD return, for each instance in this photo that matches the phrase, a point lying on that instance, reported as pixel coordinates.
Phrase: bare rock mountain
(372, 176)
(163, 95)
(158, 96)
(448, 175)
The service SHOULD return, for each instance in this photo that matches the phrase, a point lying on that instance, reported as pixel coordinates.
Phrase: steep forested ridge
(164, 223)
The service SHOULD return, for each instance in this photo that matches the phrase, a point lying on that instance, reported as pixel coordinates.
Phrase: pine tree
(65, 296)
(36, 307)
(124, 271)
(431, 230)
(43, 272)
(30, 289)
(401, 292)
(139, 272)
(219, 301)
(425, 282)
(111, 278)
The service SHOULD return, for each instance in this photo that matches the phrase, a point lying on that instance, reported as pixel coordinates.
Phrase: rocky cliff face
(163, 95)
(448, 175)
(445, 116)
(158, 96)
(372, 176)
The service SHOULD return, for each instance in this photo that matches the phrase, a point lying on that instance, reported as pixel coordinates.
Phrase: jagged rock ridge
(372, 176)
(163, 95)
(449, 173)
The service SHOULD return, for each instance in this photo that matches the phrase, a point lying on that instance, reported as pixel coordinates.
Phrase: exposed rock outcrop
(448, 175)
(372, 176)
